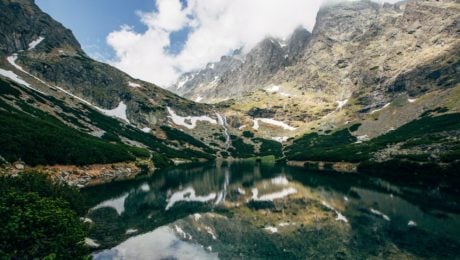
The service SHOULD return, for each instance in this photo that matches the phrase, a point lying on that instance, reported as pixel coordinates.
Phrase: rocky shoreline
(83, 176)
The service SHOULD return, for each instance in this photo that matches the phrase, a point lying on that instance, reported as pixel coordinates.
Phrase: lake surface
(263, 211)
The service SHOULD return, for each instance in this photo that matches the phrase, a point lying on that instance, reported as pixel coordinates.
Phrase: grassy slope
(37, 137)
(342, 146)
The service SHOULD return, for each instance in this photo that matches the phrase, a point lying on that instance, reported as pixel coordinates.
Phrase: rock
(19, 166)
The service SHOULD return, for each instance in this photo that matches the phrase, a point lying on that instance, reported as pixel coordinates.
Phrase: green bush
(269, 147)
(248, 134)
(160, 161)
(42, 139)
(341, 146)
(40, 219)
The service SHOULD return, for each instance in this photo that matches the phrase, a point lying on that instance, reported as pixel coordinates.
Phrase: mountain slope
(377, 66)
(47, 79)
(240, 73)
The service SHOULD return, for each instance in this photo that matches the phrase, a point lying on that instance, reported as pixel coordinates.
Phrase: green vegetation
(240, 149)
(269, 147)
(341, 146)
(248, 134)
(40, 219)
(38, 138)
(160, 161)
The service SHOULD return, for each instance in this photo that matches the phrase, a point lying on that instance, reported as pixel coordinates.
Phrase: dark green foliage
(138, 152)
(47, 141)
(40, 219)
(111, 137)
(248, 134)
(314, 146)
(436, 110)
(269, 147)
(374, 68)
(354, 127)
(160, 161)
(6, 89)
(240, 148)
(341, 146)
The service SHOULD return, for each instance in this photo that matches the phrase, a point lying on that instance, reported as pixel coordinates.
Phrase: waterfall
(223, 122)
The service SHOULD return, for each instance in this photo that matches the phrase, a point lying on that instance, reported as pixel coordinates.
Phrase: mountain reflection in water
(250, 210)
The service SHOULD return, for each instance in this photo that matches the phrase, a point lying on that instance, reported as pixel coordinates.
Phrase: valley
(285, 141)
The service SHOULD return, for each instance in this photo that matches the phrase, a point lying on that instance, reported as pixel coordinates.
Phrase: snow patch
(146, 129)
(145, 187)
(118, 112)
(91, 242)
(412, 223)
(87, 220)
(118, 204)
(339, 217)
(280, 139)
(180, 120)
(273, 196)
(280, 180)
(134, 85)
(362, 138)
(211, 232)
(411, 100)
(271, 229)
(36, 42)
(11, 75)
(272, 89)
(378, 213)
(377, 110)
(182, 233)
(272, 121)
(196, 216)
(188, 194)
(341, 103)
(198, 99)
(131, 231)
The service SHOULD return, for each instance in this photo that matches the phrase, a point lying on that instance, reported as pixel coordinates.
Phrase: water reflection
(257, 210)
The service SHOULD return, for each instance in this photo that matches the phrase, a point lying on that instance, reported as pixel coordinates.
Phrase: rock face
(59, 60)
(240, 73)
(47, 56)
(357, 49)
(22, 22)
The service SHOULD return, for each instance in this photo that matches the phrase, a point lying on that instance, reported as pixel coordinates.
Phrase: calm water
(258, 211)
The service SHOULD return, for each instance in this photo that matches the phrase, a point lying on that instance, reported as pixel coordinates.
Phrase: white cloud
(218, 26)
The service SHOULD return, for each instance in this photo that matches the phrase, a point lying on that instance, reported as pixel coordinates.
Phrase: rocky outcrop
(21, 22)
(238, 74)
(83, 176)
(358, 50)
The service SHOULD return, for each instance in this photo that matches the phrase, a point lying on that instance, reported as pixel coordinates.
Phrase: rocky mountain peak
(22, 22)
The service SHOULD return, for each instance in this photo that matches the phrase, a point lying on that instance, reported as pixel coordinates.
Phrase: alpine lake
(260, 210)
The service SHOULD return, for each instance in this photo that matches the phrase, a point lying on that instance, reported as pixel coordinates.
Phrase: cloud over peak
(213, 28)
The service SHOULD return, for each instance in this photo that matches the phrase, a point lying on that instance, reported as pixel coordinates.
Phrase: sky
(157, 40)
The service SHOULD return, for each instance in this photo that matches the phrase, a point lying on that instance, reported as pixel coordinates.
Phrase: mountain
(59, 106)
(366, 76)
(240, 73)
(365, 71)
